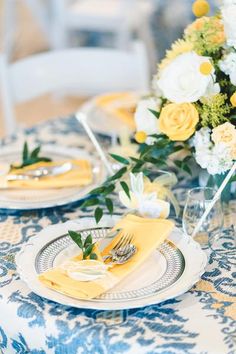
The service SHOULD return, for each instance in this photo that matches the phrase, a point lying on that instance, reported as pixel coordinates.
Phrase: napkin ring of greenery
(30, 158)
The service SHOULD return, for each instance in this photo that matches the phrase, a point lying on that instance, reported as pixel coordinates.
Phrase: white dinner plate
(102, 123)
(170, 271)
(25, 199)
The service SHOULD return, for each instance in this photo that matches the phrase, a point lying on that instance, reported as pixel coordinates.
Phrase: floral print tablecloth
(201, 321)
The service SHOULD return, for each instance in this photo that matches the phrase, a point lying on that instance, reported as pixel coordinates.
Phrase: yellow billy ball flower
(200, 8)
(233, 99)
(206, 68)
(140, 137)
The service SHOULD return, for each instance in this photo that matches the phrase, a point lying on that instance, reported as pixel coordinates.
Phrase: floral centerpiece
(192, 106)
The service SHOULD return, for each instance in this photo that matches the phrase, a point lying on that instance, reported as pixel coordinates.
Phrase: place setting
(120, 237)
(47, 176)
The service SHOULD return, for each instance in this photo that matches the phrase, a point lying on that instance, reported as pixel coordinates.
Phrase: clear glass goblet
(197, 201)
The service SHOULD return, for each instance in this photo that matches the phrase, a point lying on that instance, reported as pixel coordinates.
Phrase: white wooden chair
(84, 71)
(122, 18)
(58, 18)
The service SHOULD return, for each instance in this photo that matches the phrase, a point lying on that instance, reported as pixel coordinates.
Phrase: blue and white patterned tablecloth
(201, 321)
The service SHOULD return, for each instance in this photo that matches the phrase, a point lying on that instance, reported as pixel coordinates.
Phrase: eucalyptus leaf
(30, 158)
(25, 153)
(109, 189)
(93, 256)
(35, 152)
(109, 205)
(155, 113)
(98, 214)
(120, 159)
(118, 174)
(87, 251)
(90, 202)
(88, 241)
(125, 187)
(76, 237)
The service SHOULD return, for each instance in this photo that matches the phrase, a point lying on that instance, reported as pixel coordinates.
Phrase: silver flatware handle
(10, 178)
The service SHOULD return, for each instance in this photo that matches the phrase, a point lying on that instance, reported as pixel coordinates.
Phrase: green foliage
(151, 157)
(30, 158)
(86, 245)
(214, 111)
(155, 113)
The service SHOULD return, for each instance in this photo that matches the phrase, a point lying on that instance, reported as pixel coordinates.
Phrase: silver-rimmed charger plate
(168, 272)
(168, 265)
(25, 199)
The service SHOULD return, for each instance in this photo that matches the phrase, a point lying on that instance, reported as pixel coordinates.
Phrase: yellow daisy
(178, 47)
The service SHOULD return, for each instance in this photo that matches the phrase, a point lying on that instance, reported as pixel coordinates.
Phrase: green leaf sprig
(151, 157)
(30, 158)
(86, 245)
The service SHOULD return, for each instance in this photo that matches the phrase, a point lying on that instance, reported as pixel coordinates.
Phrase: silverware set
(123, 250)
(40, 172)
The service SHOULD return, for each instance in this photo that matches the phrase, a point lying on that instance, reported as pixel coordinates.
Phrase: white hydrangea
(202, 138)
(216, 158)
(229, 2)
(228, 12)
(228, 66)
(221, 160)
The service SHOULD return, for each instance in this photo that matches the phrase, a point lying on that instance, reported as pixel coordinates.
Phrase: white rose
(228, 65)
(181, 81)
(229, 19)
(145, 120)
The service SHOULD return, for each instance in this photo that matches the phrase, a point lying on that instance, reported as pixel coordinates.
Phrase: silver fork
(121, 249)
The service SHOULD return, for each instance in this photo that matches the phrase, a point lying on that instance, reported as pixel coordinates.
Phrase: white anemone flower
(146, 204)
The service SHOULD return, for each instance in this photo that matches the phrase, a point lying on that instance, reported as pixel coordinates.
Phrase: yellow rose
(178, 121)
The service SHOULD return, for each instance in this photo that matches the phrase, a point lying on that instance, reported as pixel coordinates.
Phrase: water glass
(197, 201)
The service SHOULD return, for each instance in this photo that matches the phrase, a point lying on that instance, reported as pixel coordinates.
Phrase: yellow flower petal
(200, 8)
(140, 137)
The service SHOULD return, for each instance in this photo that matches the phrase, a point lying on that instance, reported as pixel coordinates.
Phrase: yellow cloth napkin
(79, 175)
(119, 105)
(148, 234)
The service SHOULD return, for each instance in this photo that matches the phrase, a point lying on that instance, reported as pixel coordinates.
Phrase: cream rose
(182, 80)
(229, 19)
(225, 133)
(178, 121)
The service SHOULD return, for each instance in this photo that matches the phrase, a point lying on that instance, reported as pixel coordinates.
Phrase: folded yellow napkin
(119, 105)
(79, 175)
(148, 234)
